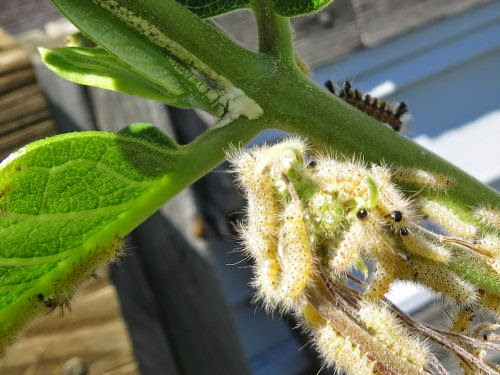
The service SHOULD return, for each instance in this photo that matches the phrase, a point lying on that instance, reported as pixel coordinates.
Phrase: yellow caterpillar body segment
(419, 245)
(387, 330)
(446, 218)
(295, 253)
(423, 178)
(335, 349)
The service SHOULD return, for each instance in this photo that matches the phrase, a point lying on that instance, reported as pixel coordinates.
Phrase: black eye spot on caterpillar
(392, 114)
(312, 164)
(397, 216)
(362, 213)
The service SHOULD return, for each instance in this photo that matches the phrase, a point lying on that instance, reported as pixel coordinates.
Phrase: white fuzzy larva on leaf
(446, 218)
(260, 234)
(348, 249)
(294, 252)
(491, 302)
(338, 350)
(283, 157)
(386, 329)
(262, 205)
(423, 178)
(419, 245)
(344, 179)
(396, 209)
(387, 267)
(267, 282)
(440, 279)
(488, 216)
(362, 236)
(335, 349)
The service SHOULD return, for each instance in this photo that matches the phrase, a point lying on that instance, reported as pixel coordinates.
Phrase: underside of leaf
(287, 8)
(97, 67)
(65, 204)
(210, 8)
(292, 8)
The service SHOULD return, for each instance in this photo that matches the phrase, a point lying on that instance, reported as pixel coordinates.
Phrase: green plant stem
(275, 37)
(207, 151)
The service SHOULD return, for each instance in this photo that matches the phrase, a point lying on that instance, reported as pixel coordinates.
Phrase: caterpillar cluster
(393, 114)
(312, 221)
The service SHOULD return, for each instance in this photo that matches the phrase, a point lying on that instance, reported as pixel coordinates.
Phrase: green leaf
(150, 134)
(292, 8)
(288, 8)
(97, 67)
(140, 46)
(65, 204)
(210, 8)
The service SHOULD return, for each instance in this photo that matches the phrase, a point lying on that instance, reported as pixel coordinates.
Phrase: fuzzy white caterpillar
(295, 253)
(387, 330)
(335, 349)
(417, 244)
(489, 216)
(448, 219)
(441, 280)
(424, 178)
(260, 235)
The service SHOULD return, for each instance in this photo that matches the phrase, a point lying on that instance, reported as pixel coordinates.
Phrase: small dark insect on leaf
(52, 303)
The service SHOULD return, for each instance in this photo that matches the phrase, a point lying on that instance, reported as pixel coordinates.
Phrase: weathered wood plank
(347, 25)
(11, 141)
(13, 59)
(6, 41)
(24, 115)
(27, 120)
(13, 110)
(17, 96)
(16, 79)
(394, 17)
